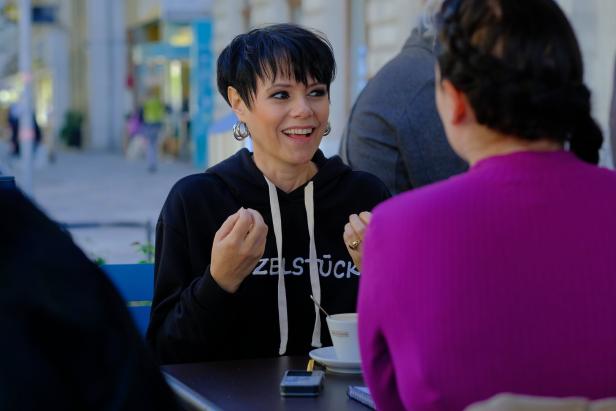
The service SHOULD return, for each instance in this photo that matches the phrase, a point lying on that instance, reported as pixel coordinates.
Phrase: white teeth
(298, 131)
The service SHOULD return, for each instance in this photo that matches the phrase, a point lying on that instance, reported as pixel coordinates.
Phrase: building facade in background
(100, 58)
(50, 55)
(170, 55)
(367, 33)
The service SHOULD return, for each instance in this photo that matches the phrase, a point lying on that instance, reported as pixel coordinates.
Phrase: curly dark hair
(519, 64)
(267, 52)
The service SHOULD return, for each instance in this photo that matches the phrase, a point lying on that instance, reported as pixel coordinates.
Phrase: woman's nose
(301, 108)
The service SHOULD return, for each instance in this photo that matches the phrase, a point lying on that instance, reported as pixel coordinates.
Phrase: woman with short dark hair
(241, 247)
(501, 279)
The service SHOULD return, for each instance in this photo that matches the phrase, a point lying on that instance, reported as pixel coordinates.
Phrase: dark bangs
(279, 50)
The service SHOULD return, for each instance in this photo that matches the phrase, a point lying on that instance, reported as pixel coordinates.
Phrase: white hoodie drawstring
(282, 293)
(314, 274)
(314, 271)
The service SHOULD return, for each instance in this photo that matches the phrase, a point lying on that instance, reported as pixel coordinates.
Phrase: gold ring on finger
(354, 244)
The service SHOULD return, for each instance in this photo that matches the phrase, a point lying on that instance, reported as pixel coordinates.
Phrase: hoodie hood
(241, 175)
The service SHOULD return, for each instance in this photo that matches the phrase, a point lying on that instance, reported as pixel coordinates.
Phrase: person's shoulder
(355, 179)
(597, 171)
(607, 174)
(32, 240)
(336, 180)
(21, 212)
(398, 80)
(411, 63)
(197, 181)
(430, 201)
(366, 179)
(579, 175)
(599, 178)
(194, 189)
(367, 187)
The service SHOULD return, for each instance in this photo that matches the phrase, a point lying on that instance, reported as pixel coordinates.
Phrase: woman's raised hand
(353, 235)
(238, 245)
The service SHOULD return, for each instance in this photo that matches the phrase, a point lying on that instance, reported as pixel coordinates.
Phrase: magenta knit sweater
(502, 279)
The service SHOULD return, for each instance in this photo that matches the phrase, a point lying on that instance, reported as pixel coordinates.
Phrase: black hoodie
(193, 319)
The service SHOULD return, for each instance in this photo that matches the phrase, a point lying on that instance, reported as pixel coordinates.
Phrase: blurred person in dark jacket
(14, 114)
(68, 341)
(394, 131)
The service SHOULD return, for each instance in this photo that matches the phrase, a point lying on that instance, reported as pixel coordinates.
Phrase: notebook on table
(361, 394)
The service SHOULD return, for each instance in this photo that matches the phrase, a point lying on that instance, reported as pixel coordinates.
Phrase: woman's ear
(237, 104)
(456, 103)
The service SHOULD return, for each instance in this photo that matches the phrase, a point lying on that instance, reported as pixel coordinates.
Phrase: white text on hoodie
(339, 269)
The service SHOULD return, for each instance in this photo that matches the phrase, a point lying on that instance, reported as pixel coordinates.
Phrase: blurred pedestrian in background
(14, 115)
(394, 131)
(153, 118)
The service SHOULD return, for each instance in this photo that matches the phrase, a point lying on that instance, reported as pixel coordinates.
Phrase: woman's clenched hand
(238, 245)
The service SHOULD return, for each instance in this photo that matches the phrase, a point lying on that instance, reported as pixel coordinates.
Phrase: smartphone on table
(299, 383)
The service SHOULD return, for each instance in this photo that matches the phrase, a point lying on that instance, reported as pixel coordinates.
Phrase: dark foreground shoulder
(70, 322)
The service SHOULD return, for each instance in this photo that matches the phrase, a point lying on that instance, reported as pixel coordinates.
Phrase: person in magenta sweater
(502, 279)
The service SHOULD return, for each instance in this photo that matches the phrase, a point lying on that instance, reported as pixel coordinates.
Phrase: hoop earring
(327, 130)
(240, 131)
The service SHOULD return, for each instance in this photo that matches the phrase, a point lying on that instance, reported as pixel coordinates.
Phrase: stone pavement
(103, 188)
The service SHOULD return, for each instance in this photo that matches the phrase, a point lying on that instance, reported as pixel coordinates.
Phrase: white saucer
(327, 357)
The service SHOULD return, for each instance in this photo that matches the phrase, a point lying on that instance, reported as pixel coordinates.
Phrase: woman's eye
(280, 95)
(318, 92)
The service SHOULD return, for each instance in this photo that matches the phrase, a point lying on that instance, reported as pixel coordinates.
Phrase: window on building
(246, 14)
(358, 71)
(295, 11)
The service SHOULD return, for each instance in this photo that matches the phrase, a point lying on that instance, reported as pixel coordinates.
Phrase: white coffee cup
(343, 330)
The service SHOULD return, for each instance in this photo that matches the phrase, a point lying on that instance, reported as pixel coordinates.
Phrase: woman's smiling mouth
(300, 133)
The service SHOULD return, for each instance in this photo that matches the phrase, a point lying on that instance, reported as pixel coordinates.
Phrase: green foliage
(71, 129)
(147, 251)
(99, 261)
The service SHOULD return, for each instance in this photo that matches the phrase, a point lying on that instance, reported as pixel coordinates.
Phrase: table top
(255, 385)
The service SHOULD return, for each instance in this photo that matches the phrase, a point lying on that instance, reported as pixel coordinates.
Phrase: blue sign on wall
(44, 14)
(201, 80)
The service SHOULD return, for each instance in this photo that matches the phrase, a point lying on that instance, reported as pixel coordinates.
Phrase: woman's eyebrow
(281, 85)
(278, 85)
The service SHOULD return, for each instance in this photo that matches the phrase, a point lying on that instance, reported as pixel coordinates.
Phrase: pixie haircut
(519, 64)
(285, 50)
